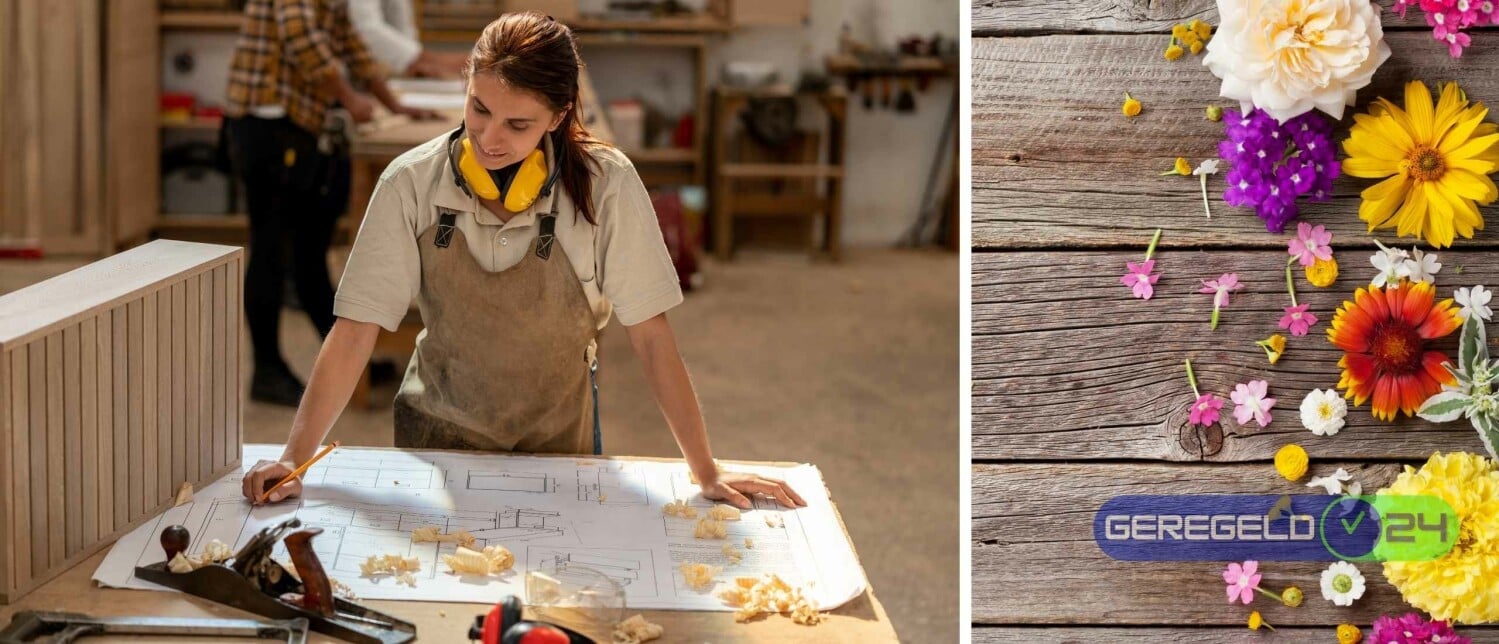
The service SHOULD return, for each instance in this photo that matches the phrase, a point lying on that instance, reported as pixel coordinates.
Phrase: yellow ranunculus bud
(1323, 272)
(1291, 461)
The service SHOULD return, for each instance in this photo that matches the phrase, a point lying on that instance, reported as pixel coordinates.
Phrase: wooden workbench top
(861, 620)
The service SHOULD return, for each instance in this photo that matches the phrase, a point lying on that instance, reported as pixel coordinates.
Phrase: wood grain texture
(178, 409)
(18, 530)
(88, 339)
(1055, 164)
(1035, 560)
(193, 374)
(1034, 17)
(57, 475)
(1066, 364)
(37, 438)
(1180, 634)
(72, 443)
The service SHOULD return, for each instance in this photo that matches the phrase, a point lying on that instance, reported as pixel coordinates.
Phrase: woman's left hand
(736, 488)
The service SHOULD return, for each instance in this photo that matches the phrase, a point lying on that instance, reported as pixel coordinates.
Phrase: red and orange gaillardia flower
(1383, 333)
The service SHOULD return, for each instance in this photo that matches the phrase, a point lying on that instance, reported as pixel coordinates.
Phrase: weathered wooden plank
(1055, 164)
(1034, 17)
(1035, 561)
(1066, 364)
(1182, 634)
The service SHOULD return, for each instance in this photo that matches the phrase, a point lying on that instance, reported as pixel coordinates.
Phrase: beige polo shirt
(622, 262)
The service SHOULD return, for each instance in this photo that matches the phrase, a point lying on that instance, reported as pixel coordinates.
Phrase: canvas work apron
(505, 361)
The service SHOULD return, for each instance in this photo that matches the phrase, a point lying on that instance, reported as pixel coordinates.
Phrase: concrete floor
(852, 367)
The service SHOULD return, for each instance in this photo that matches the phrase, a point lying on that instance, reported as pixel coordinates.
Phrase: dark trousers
(295, 196)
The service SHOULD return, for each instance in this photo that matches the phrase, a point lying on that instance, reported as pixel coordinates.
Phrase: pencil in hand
(296, 473)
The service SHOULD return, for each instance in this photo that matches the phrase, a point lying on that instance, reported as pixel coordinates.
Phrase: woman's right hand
(265, 474)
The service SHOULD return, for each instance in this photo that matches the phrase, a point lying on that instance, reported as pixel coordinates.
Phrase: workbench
(1079, 390)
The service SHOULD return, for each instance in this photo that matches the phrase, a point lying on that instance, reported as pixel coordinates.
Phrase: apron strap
(445, 225)
(546, 236)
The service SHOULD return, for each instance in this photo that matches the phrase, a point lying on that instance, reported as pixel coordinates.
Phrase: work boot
(277, 385)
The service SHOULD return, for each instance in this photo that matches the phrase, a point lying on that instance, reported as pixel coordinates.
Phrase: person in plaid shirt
(291, 94)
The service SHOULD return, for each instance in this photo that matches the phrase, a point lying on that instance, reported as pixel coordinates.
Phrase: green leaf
(1444, 407)
(1472, 349)
(1488, 430)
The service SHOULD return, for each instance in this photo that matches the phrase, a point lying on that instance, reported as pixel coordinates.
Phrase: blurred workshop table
(1079, 392)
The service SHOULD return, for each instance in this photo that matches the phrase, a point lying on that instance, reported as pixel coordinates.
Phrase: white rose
(1288, 57)
(1322, 411)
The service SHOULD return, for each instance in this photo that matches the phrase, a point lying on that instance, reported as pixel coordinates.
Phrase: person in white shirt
(389, 32)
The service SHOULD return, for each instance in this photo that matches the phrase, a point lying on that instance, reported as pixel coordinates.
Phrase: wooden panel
(56, 498)
(1048, 384)
(133, 68)
(91, 128)
(105, 457)
(124, 447)
(19, 464)
(136, 397)
(1055, 164)
(72, 443)
(234, 342)
(1032, 17)
(179, 388)
(209, 361)
(68, 298)
(59, 49)
(162, 401)
(1035, 561)
(37, 351)
(192, 371)
(88, 447)
(221, 385)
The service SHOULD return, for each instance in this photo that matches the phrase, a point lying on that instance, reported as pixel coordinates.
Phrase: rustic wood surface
(1079, 393)
(1055, 163)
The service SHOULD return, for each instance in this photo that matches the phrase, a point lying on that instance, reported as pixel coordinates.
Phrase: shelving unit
(227, 227)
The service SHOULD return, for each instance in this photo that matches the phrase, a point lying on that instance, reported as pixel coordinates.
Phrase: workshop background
(801, 155)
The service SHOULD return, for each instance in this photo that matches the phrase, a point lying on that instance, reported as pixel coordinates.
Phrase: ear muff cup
(529, 180)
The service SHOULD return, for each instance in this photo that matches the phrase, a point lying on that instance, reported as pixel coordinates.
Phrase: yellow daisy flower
(1455, 587)
(1437, 160)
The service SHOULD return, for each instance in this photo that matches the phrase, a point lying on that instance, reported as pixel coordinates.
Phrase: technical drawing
(511, 482)
(612, 485)
(384, 473)
(521, 525)
(633, 570)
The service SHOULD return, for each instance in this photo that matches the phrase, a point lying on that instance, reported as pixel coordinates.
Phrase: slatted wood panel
(105, 404)
(1078, 389)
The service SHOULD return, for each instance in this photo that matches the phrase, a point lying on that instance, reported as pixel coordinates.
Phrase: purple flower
(1412, 628)
(1273, 164)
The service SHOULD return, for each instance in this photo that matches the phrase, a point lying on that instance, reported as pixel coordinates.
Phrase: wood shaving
(770, 594)
(213, 553)
(710, 529)
(394, 565)
(774, 520)
(433, 534)
(679, 508)
(184, 494)
(698, 576)
(341, 589)
(636, 630)
(492, 560)
(749, 544)
(732, 554)
(724, 513)
(603, 497)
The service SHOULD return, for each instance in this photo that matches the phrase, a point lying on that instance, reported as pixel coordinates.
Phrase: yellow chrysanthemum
(1437, 160)
(1458, 586)
(1291, 462)
(1349, 634)
(1323, 272)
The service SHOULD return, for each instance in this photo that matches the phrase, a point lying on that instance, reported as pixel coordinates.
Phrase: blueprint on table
(552, 513)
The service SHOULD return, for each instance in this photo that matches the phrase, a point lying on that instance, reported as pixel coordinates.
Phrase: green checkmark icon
(1357, 520)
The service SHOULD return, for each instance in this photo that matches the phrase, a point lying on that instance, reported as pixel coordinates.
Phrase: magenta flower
(1310, 244)
(1412, 628)
(1242, 581)
(1220, 288)
(1297, 319)
(1250, 401)
(1139, 279)
(1205, 411)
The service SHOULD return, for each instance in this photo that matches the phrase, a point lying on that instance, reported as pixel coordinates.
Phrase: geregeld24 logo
(1269, 527)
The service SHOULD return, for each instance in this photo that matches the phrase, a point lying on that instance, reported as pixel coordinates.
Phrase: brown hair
(531, 51)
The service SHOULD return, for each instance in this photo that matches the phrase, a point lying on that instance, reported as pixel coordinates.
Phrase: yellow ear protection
(517, 191)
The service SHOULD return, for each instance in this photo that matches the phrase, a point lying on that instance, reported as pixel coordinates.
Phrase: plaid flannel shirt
(287, 52)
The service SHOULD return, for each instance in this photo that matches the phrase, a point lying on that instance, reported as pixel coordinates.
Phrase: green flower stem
(1290, 284)
(1153, 241)
(1271, 594)
(1192, 378)
(1214, 325)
